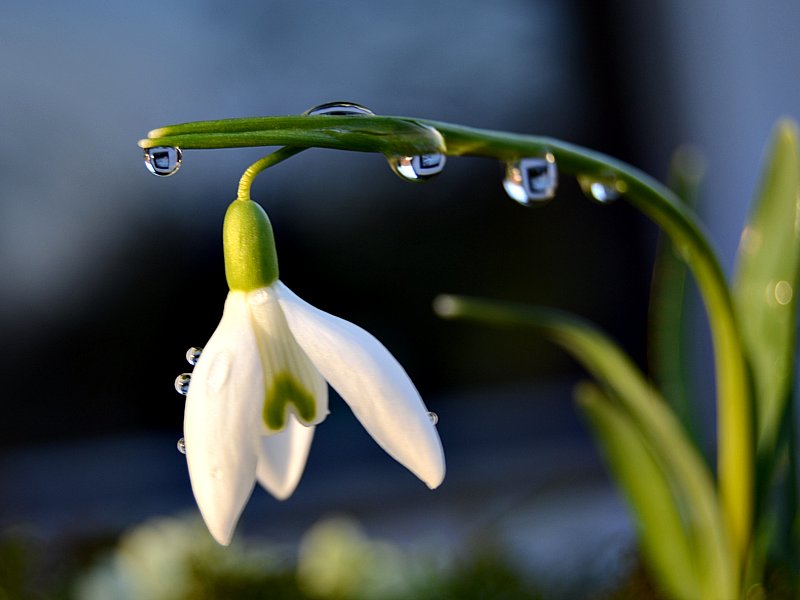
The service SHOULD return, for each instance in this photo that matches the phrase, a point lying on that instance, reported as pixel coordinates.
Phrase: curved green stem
(269, 160)
(408, 136)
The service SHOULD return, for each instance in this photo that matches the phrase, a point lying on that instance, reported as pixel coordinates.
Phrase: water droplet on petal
(182, 383)
(433, 417)
(339, 109)
(182, 446)
(163, 160)
(193, 355)
(601, 190)
(417, 168)
(531, 181)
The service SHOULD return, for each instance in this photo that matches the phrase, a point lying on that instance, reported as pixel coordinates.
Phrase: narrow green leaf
(765, 282)
(666, 314)
(387, 135)
(664, 543)
(717, 565)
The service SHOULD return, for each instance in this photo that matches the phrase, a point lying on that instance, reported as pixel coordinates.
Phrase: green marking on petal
(287, 389)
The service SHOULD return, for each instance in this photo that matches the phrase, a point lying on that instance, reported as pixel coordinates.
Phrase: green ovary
(287, 389)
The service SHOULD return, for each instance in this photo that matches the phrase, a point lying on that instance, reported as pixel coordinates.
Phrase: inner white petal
(292, 384)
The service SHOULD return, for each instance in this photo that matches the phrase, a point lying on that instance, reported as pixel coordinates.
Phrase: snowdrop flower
(259, 387)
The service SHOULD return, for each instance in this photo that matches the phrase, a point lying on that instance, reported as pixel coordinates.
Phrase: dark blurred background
(109, 274)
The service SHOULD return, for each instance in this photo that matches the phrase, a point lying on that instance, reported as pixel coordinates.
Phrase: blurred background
(109, 274)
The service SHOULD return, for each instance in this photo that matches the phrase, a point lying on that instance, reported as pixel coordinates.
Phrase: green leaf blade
(765, 282)
(664, 542)
(717, 563)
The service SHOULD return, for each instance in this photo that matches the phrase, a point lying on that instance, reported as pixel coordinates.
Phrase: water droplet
(602, 190)
(182, 383)
(433, 417)
(417, 168)
(750, 241)
(182, 446)
(531, 180)
(163, 160)
(783, 292)
(193, 355)
(339, 109)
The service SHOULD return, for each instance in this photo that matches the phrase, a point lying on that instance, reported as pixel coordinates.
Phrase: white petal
(282, 458)
(221, 417)
(286, 367)
(372, 382)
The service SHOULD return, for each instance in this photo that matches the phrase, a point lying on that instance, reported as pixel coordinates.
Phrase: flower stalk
(709, 533)
(408, 136)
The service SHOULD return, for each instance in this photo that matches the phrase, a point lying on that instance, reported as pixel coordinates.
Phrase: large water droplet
(181, 446)
(193, 355)
(417, 168)
(163, 160)
(182, 383)
(433, 417)
(602, 190)
(531, 180)
(339, 109)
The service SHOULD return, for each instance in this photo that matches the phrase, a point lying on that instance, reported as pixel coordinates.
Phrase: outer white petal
(221, 420)
(282, 458)
(372, 382)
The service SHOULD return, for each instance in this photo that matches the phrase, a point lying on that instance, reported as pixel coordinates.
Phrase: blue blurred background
(109, 274)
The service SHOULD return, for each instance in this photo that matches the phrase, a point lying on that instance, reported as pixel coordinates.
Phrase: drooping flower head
(259, 387)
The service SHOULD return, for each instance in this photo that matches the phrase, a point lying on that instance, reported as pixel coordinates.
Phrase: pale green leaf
(717, 569)
(662, 533)
(765, 282)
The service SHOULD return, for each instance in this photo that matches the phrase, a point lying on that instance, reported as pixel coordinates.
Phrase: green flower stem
(406, 136)
(264, 163)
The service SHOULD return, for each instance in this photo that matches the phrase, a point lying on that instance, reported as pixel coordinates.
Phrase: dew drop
(417, 168)
(193, 355)
(783, 292)
(163, 160)
(182, 446)
(433, 417)
(339, 109)
(531, 181)
(603, 191)
(182, 383)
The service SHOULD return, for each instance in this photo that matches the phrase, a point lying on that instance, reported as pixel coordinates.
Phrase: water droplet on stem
(182, 383)
(433, 417)
(339, 109)
(417, 168)
(163, 160)
(532, 180)
(182, 446)
(604, 190)
(193, 355)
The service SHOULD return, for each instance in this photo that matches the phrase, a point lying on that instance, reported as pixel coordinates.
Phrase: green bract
(249, 245)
